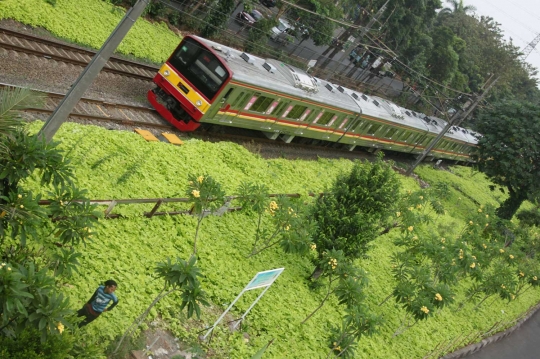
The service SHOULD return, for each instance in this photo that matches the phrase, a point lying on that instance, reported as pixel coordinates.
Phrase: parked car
(282, 26)
(245, 19)
(268, 3)
(256, 14)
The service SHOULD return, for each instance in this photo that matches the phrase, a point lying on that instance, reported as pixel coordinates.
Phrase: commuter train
(206, 82)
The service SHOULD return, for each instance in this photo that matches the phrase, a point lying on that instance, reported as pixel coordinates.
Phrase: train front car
(188, 83)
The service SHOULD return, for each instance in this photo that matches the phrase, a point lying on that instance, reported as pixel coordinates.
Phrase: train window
(237, 99)
(390, 133)
(261, 104)
(405, 135)
(278, 109)
(374, 129)
(200, 67)
(325, 118)
(365, 126)
(296, 112)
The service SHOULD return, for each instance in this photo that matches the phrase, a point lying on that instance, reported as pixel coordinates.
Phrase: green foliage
(351, 213)
(146, 40)
(508, 151)
(217, 17)
(131, 246)
(206, 196)
(259, 35)
(64, 262)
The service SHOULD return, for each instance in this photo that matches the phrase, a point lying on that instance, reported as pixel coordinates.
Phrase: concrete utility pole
(456, 119)
(61, 113)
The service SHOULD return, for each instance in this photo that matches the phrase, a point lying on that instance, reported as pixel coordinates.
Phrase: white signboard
(264, 279)
(311, 63)
(261, 280)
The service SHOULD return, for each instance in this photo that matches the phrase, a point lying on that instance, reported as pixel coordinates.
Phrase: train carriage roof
(280, 77)
(275, 75)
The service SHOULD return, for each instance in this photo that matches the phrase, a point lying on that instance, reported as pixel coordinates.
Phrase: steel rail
(49, 55)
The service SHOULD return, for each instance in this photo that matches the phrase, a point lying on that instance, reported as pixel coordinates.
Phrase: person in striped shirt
(99, 302)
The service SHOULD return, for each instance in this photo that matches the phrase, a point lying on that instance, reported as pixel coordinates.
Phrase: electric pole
(62, 112)
(456, 119)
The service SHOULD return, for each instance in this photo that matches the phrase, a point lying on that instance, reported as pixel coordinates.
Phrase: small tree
(358, 321)
(509, 151)
(31, 243)
(206, 196)
(290, 226)
(351, 213)
(345, 280)
(182, 276)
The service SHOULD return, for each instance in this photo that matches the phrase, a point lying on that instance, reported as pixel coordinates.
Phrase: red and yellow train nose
(178, 87)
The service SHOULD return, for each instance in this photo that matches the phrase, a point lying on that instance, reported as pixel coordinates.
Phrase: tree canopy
(509, 151)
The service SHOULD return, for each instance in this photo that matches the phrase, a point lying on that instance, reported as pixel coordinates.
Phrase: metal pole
(454, 121)
(61, 113)
(222, 315)
(251, 306)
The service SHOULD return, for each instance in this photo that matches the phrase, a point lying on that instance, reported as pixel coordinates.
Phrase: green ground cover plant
(127, 249)
(90, 22)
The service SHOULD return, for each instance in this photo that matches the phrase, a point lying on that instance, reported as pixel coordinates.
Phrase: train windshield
(200, 67)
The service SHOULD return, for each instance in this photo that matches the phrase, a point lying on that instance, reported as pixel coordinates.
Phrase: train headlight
(198, 103)
(166, 73)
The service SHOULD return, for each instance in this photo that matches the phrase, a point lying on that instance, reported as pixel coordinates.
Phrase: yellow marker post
(147, 135)
(172, 138)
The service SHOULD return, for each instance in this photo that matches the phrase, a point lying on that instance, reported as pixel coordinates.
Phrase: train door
(220, 108)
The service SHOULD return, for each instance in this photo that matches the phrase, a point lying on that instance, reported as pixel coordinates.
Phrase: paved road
(524, 343)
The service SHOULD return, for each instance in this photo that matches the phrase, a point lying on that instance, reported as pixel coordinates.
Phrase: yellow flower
(19, 196)
(474, 257)
(196, 193)
(190, 182)
(487, 224)
(473, 265)
(60, 327)
(487, 215)
(511, 256)
(521, 274)
(479, 210)
(411, 208)
(419, 206)
(438, 297)
(22, 206)
(200, 179)
(410, 228)
(398, 214)
(424, 309)
(313, 246)
(443, 240)
(501, 250)
(502, 286)
(415, 238)
(287, 228)
(421, 197)
(534, 278)
(484, 245)
(273, 205)
(471, 223)
(8, 268)
(513, 297)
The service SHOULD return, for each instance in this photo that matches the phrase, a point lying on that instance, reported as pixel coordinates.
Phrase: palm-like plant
(12, 101)
(458, 8)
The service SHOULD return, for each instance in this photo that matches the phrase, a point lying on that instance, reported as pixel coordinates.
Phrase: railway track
(49, 49)
(105, 112)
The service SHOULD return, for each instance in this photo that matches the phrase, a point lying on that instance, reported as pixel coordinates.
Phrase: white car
(280, 28)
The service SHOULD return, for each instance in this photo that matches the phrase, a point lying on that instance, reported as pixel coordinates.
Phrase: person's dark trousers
(89, 313)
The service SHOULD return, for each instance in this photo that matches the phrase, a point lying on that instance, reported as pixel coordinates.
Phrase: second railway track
(105, 112)
(49, 49)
